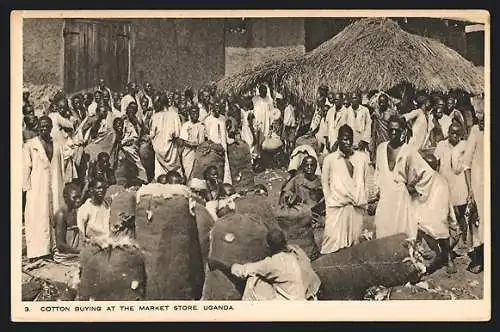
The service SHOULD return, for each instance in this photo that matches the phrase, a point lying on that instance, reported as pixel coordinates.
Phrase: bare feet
(451, 268)
(475, 269)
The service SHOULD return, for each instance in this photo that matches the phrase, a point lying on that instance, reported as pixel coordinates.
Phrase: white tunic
(361, 123)
(43, 182)
(473, 159)
(452, 168)
(345, 199)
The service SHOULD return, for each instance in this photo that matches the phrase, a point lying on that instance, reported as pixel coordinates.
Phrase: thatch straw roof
(372, 53)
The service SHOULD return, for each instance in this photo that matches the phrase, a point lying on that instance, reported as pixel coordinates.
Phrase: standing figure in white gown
(400, 173)
(343, 179)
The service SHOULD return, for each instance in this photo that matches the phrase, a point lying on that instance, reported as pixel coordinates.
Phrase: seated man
(214, 186)
(93, 216)
(173, 177)
(66, 230)
(286, 274)
(304, 185)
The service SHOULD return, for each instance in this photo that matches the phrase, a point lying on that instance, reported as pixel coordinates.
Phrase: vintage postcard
(257, 165)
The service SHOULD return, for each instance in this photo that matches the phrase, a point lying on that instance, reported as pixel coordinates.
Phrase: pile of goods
(167, 232)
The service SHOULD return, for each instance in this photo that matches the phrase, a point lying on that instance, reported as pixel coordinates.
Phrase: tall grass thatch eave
(369, 54)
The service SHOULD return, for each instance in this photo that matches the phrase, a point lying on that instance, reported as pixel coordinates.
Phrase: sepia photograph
(232, 156)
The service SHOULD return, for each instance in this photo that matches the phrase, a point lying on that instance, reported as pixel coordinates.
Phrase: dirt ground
(461, 285)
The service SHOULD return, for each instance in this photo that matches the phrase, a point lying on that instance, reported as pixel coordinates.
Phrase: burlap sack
(147, 156)
(167, 232)
(240, 163)
(346, 274)
(122, 213)
(235, 238)
(296, 222)
(208, 154)
(112, 274)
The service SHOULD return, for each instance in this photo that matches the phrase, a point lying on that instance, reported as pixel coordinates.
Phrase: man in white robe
(43, 172)
(359, 119)
(132, 131)
(343, 179)
(165, 130)
(439, 124)
(450, 154)
(420, 123)
(216, 132)
(192, 134)
(474, 175)
(335, 118)
(403, 177)
(61, 125)
(129, 97)
(262, 106)
(93, 106)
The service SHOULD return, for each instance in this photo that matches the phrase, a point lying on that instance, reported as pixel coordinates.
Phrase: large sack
(296, 222)
(113, 273)
(235, 238)
(308, 140)
(122, 213)
(147, 156)
(240, 163)
(171, 247)
(125, 171)
(348, 273)
(207, 154)
(222, 286)
(258, 206)
(204, 222)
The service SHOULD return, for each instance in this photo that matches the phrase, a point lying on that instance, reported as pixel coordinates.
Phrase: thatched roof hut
(370, 54)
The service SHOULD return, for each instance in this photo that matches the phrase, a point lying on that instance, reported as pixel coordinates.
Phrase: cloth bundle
(112, 270)
(348, 273)
(240, 163)
(167, 232)
(296, 222)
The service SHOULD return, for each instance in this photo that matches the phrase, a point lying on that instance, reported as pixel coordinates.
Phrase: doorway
(96, 49)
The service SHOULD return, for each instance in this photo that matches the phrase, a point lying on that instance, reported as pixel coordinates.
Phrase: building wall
(43, 51)
(263, 39)
(175, 53)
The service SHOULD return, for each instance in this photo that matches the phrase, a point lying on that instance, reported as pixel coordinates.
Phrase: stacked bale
(258, 206)
(122, 212)
(112, 273)
(207, 154)
(240, 163)
(204, 222)
(235, 238)
(167, 232)
(147, 155)
(346, 274)
(296, 222)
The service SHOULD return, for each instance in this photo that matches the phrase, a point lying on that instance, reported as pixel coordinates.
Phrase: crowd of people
(427, 159)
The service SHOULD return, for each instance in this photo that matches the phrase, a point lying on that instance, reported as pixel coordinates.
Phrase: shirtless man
(66, 230)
